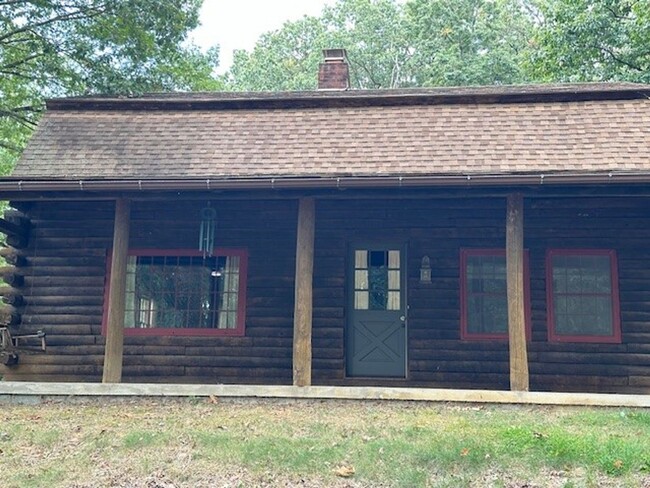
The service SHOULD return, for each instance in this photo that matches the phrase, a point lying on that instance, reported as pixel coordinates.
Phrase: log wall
(439, 228)
(65, 282)
(65, 272)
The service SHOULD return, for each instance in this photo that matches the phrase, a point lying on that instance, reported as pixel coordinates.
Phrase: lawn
(199, 442)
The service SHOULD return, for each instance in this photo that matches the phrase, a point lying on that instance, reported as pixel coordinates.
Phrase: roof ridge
(402, 96)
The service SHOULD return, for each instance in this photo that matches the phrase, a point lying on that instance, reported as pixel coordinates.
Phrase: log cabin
(478, 237)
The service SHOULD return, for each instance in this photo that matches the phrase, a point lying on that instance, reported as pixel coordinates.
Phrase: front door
(376, 328)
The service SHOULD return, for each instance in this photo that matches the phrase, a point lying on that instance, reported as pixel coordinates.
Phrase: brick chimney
(333, 72)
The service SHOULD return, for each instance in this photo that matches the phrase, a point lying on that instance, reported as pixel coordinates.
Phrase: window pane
(361, 279)
(487, 314)
(393, 280)
(393, 259)
(486, 300)
(361, 299)
(582, 295)
(182, 291)
(360, 259)
(378, 300)
(378, 281)
(393, 300)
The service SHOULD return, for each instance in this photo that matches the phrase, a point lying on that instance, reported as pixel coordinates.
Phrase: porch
(300, 290)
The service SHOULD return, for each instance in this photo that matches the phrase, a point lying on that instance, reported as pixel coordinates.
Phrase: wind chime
(207, 230)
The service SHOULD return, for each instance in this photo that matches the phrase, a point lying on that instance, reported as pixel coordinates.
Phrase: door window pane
(361, 279)
(377, 276)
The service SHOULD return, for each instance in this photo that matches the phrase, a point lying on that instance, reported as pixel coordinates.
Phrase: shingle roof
(501, 131)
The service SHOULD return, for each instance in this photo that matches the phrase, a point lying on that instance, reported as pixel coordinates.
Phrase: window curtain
(229, 294)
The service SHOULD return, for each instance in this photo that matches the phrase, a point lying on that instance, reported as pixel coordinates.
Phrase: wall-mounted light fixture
(425, 270)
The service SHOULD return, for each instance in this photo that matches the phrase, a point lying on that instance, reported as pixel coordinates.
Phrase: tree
(72, 47)
(391, 44)
(469, 42)
(585, 40)
(372, 31)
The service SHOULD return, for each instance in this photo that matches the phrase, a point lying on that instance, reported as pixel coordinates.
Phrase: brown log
(19, 242)
(302, 327)
(15, 300)
(12, 256)
(10, 276)
(519, 379)
(9, 316)
(112, 372)
(16, 228)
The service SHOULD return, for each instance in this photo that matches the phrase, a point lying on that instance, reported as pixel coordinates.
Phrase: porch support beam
(117, 294)
(302, 316)
(519, 379)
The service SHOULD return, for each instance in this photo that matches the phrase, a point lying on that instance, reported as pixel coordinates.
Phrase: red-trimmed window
(181, 292)
(582, 295)
(483, 294)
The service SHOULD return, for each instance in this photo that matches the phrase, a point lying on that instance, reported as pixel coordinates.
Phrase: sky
(237, 24)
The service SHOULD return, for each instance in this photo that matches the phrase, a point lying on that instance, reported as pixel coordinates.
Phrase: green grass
(190, 443)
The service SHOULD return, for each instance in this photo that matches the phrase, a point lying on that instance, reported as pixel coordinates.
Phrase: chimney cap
(335, 55)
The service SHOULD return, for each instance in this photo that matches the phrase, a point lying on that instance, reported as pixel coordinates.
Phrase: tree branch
(17, 74)
(10, 147)
(619, 60)
(82, 13)
(20, 61)
(22, 120)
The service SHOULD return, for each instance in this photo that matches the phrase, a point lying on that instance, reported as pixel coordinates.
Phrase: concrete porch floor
(15, 391)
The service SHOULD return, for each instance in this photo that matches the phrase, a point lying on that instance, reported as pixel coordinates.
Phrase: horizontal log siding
(64, 284)
(439, 228)
(64, 291)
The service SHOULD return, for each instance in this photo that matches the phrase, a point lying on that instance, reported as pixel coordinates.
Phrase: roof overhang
(35, 186)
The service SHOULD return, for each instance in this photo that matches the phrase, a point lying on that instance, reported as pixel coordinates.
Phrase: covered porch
(303, 307)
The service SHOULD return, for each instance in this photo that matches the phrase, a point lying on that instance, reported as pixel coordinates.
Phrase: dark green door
(376, 329)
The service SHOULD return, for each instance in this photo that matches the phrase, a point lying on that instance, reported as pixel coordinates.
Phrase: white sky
(237, 24)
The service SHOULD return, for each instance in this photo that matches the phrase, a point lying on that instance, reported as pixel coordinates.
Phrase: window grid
(483, 291)
(181, 293)
(582, 305)
(377, 280)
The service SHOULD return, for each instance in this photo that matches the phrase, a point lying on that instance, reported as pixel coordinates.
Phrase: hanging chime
(207, 230)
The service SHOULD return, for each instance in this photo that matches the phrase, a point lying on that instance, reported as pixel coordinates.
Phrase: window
(483, 296)
(183, 293)
(377, 280)
(582, 295)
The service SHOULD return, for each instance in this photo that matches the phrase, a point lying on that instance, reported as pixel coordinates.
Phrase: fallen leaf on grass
(213, 399)
(344, 471)
(618, 464)
(464, 452)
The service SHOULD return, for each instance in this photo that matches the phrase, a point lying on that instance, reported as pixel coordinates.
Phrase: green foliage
(464, 42)
(372, 31)
(585, 40)
(282, 60)
(469, 42)
(391, 44)
(74, 47)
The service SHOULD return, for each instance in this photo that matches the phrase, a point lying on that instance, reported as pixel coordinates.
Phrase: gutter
(341, 183)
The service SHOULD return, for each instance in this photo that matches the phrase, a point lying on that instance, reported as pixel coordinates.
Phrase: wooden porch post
(117, 294)
(302, 315)
(515, 286)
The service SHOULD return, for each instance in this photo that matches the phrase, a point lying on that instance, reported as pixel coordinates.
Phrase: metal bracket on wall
(10, 345)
